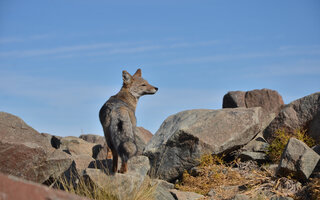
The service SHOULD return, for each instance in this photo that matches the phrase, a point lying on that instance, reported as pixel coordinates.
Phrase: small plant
(281, 139)
(86, 188)
(214, 172)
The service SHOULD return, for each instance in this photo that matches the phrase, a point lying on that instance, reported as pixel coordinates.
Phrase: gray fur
(117, 117)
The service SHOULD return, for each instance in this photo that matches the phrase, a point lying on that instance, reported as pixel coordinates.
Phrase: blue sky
(61, 60)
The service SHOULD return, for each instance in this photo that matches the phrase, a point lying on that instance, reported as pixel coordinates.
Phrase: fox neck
(128, 98)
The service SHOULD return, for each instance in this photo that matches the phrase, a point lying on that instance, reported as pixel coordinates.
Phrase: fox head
(136, 85)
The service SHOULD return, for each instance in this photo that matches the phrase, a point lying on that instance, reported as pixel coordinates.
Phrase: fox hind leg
(114, 161)
(124, 167)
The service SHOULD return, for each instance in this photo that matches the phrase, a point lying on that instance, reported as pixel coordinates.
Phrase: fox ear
(126, 77)
(138, 73)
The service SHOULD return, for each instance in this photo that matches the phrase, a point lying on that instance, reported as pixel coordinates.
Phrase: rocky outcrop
(303, 113)
(184, 137)
(298, 159)
(26, 153)
(12, 188)
(270, 100)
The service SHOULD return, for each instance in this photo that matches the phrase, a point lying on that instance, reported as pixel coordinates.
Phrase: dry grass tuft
(314, 188)
(281, 139)
(83, 186)
(229, 179)
(88, 189)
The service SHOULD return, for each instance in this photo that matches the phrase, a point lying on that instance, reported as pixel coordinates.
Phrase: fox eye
(143, 85)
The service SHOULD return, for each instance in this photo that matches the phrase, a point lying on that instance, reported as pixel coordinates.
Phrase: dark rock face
(13, 188)
(184, 137)
(270, 100)
(234, 99)
(26, 153)
(298, 159)
(302, 113)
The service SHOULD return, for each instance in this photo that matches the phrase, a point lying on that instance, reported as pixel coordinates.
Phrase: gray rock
(82, 162)
(143, 136)
(255, 150)
(259, 144)
(302, 113)
(240, 197)
(97, 139)
(26, 153)
(53, 140)
(280, 198)
(139, 165)
(123, 185)
(120, 185)
(161, 191)
(298, 159)
(256, 156)
(76, 146)
(181, 195)
(184, 137)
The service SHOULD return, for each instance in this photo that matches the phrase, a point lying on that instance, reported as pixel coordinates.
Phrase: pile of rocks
(244, 128)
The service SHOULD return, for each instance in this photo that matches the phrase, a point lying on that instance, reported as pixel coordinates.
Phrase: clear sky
(60, 60)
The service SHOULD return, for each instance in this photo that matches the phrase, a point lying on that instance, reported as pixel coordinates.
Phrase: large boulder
(270, 100)
(303, 113)
(14, 188)
(184, 137)
(298, 159)
(26, 153)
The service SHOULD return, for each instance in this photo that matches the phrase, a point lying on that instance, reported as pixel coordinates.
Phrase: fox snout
(151, 90)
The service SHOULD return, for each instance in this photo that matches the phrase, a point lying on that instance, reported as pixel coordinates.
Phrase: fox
(118, 120)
